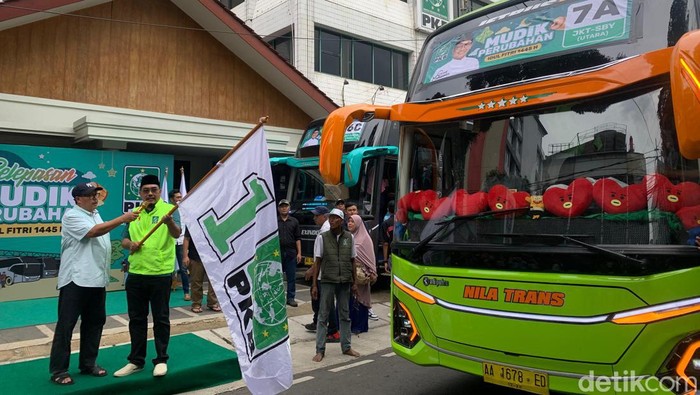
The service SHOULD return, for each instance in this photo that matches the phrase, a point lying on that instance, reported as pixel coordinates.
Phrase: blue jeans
(289, 265)
(332, 318)
(341, 293)
(182, 269)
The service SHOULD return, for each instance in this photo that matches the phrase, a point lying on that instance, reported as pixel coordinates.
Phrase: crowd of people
(342, 273)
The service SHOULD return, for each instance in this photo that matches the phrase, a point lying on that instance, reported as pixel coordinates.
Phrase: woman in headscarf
(361, 302)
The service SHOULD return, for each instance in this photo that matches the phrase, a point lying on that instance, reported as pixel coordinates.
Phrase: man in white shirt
(86, 255)
(460, 62)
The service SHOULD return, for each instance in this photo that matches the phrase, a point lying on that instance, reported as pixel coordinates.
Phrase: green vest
(336, 263)
(157, 255)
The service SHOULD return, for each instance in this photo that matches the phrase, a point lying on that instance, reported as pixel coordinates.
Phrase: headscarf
(364, 246)
(364, 249)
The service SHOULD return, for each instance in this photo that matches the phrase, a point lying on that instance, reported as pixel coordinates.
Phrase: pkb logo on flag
(232, 219)
(260, 284)
(256, 287)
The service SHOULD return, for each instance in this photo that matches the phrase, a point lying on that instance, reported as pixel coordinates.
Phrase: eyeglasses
(150, 190)
(90, 196)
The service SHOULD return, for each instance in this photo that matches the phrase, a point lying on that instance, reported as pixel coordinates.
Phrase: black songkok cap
(149, 179)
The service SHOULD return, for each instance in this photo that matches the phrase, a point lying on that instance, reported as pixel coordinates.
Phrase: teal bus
(369, 159)
(548, 196)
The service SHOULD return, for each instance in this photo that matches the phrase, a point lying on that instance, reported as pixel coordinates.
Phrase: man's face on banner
(461, 49)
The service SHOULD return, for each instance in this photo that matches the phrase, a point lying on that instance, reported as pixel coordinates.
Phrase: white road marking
(120, 320)
(350, 366)
(391, 354)
(45, 330)
(188, 312)
(303, 379)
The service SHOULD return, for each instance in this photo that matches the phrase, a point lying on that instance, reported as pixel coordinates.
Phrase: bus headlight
(681, 370)
(405, 331)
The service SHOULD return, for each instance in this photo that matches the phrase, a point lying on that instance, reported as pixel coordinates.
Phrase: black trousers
(142, 291)
(89, 304)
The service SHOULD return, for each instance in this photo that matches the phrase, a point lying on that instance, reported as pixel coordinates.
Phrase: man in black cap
(150, 274)
(290, 243)
(86, 256)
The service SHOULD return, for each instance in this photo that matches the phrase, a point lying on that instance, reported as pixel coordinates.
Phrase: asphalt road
(385, 373)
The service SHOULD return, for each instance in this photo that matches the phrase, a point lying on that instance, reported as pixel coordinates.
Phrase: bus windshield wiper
(444, 224)
(570, 238)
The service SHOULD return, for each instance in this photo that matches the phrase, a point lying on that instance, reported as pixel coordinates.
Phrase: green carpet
(194, 364)
(21, 313)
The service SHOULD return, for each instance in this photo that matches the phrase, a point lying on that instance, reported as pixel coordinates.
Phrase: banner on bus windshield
(312, 137)
(539, 29)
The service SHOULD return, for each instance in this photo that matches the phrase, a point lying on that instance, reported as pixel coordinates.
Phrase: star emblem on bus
(502, 102)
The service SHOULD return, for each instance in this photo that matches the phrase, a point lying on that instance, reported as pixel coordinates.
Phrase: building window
(284, 45)
(466, 6)
(231, 3)
(361, 60)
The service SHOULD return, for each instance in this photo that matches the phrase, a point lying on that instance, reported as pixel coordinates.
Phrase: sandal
(196, 310)
(62, 379)
(97, 371)
(215, 307)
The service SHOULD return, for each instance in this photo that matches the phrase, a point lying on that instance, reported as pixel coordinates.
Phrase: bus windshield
(515, 42)
(605, 172)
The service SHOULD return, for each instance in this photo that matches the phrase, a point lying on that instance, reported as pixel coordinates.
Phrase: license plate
(308, 261)
(522, 379)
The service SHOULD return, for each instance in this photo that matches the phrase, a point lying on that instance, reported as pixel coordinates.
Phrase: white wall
(390, 23)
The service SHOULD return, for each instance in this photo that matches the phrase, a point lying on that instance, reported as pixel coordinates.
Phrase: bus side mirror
(685, 90)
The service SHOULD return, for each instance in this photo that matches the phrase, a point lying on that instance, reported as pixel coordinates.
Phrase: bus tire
(8, 281)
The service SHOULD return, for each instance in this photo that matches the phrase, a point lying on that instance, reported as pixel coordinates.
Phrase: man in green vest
(334, 253)
(150, 274)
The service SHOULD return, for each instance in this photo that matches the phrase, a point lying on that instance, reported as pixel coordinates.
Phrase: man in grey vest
(334, 253)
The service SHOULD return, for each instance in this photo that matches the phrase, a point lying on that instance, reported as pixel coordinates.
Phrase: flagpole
(261, 122)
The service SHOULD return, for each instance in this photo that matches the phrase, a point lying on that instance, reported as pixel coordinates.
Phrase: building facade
(356, 51)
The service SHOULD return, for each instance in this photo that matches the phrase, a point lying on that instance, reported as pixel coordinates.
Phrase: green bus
(549, 198)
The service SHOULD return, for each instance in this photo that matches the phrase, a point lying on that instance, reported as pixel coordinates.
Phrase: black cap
(85, 189)
(150, 179)
(283, 202)
(339, 201)
(320, 210)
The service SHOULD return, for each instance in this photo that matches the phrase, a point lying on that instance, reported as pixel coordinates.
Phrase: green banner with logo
(35, 192)
(538, 29)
